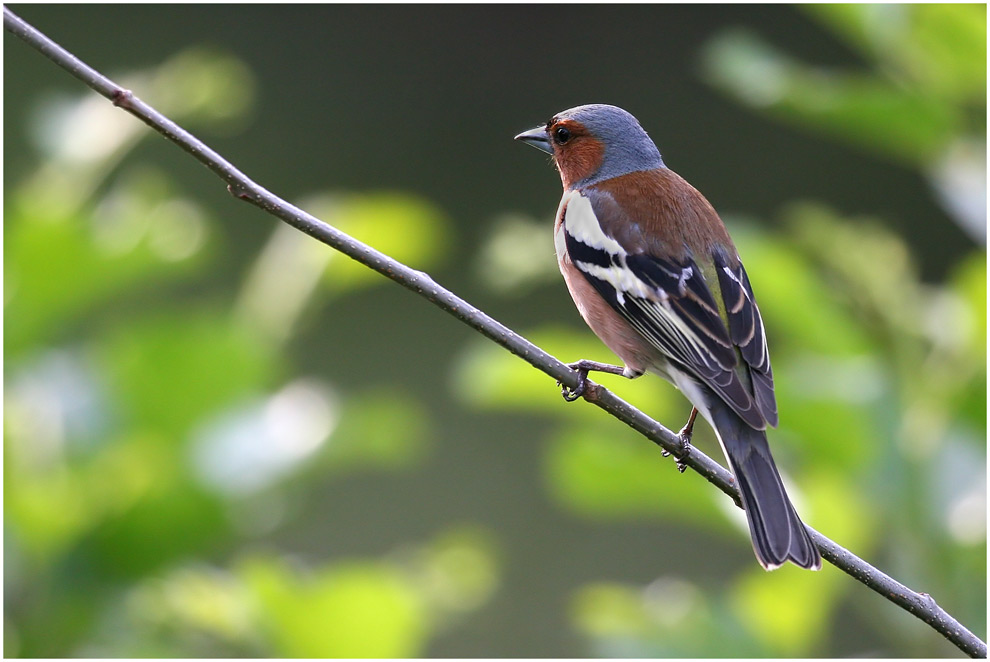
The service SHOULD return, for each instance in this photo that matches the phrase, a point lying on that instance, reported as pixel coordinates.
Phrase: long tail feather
(777, 531)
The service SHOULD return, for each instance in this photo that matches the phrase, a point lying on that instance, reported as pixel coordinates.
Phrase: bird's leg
(688, 429)
(583, 367)
(685, 436)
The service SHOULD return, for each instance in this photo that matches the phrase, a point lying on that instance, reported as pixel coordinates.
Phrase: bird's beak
(537, 138)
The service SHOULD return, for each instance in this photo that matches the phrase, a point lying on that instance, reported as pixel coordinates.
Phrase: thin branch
(920, 604)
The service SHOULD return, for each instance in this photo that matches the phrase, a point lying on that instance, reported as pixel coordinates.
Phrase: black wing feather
(681, 319)
(747, 333)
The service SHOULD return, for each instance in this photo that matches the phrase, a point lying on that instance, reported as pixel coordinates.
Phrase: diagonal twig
(921, 605)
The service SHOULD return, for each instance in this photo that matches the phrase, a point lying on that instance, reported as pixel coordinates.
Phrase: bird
(654, 273)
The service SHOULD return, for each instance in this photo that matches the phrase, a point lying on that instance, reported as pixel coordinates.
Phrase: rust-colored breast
(628, 344)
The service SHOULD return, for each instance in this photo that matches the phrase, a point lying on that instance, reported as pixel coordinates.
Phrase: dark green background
(359, 96)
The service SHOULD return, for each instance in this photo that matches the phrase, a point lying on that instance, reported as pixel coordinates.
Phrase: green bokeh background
(222, 439)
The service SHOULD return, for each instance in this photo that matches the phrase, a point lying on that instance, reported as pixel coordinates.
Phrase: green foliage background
(222, 439)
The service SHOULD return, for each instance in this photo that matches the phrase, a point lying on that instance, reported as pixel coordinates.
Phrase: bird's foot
(583, 367)
(572, 394)
(685, 438)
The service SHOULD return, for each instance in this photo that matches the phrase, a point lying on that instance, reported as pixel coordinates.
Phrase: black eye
(561, 135)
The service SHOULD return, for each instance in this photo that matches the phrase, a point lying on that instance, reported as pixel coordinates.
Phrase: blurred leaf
(84, 138)
(606, 609)
(357, 609)
(836, 505)
(603, 470)
(56, 624)
(957, 494)
(860, 108)
(170, 370)
(57, 268)
(489, 377)
(801, 311)
(921, 330)
(174, 521)
(454, 573)
(45, 514)
(381, 428)
(939, 45)
(268, 606)
(254, 444)
(921, 100)
(50, 509)
(786, 610)
(953, 48)
(461, 571)
(668, 618)
(273, 298)
(405, 227)
(206, 85)
(959, 178)
(486, 376)
(272, 607)
(828, 405)
(969, 282)
(876, 29)
(197, 599)
(864, 254)
(516, 255)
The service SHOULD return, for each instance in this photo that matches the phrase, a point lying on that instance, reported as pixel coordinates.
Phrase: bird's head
(593, 143)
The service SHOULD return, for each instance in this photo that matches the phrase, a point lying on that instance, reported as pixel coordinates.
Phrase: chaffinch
(655, 275)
